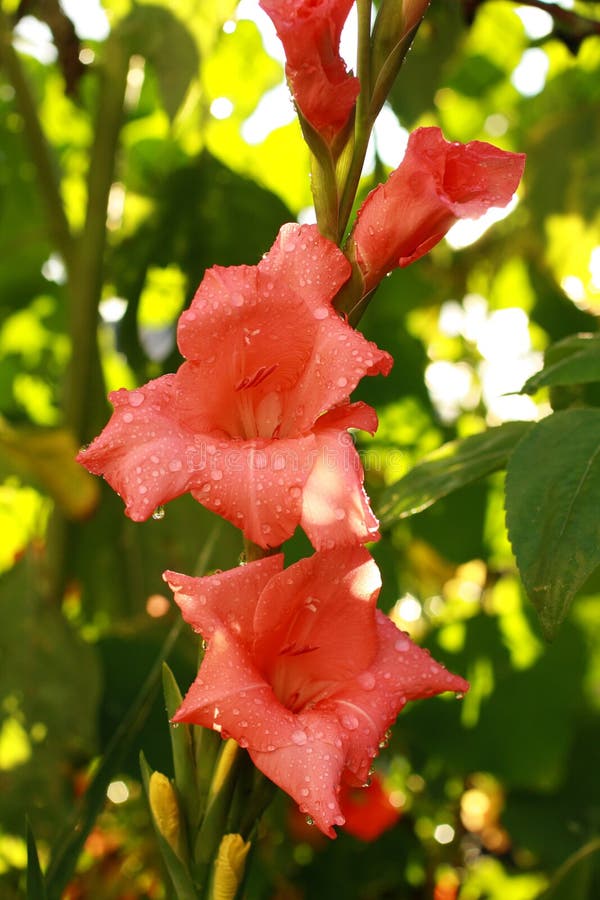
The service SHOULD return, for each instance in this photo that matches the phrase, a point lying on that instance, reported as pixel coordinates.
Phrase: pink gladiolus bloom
(302, 670)
(310, 33)
(255, 423)
(436, 184)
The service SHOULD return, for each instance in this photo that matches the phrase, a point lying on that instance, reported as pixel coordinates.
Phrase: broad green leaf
(552, 503)
(161, 37)
(576, 360)
(449, 468)
(36, 889)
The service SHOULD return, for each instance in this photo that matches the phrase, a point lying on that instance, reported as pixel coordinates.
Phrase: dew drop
(460, 695)
(366, 680)
(159, 513)
(350, 722)
(295, 491)
(243, 742)
(402, 645)
(216, 475)
(321, 312)
(342, 382)
(299, 737)
(128, 417)
(309, 820)
(340, 514)
(175, 465)
(237, 299)
(305, 792)
(136, 398)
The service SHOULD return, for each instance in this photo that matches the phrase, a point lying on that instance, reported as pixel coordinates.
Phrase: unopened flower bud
(229, 866)
(165, 810)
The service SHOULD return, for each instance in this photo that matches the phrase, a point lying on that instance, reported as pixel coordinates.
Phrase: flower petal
(143, 452)
(436, 183)
(368, 706)
(310, 31)
(314, 625)
(213, 601)
(309, 768)
(335, 507)
(256, 485)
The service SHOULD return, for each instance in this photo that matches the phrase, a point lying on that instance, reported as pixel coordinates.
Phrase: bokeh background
(139, 145)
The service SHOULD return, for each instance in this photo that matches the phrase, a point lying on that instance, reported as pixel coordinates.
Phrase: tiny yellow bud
(229, 866)
(165, 810)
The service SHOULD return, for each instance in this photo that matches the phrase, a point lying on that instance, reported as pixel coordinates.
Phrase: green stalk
(48, 177)
(362, 122)
(85, 285)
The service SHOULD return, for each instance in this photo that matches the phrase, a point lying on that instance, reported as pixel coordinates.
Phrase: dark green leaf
(182, 749)
(65, 855)
(450, 467)
(36, 890)
(552, 502)
(157, 34)
(576, 360)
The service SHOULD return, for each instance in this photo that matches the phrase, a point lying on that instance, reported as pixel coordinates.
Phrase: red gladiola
(303, 670)
(367, 810)
(436, 184)
(255, 423)
(310, 32)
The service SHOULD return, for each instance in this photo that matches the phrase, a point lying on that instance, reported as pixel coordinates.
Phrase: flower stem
(362, 122)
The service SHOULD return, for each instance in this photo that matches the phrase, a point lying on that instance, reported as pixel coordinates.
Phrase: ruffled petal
(309, 768)
(436, 183)
(213, 601)
(368, 706)
(335, 507)
(256, 485)
(144, 451)
(314, 625)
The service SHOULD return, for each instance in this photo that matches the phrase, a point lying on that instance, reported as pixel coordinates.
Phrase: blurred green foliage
(512, 769)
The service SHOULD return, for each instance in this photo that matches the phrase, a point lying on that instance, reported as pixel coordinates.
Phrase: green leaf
(183, 750)
(552, 501)
(162, 38)
(180, 876)
(576, 360)
(36, 889)
(65, 855)
(449, 468)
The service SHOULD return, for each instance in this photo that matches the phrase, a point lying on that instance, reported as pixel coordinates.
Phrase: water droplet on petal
(340, 514)
(366, 680)
(128, 417)
(342, 382)
(159, 513)
(402, 645)
(216, 475)
(299, 737)
(175, 465)
(136, 398)
(350, 722)
(321, 312)
(309, 820)
(460, 695)
(237, 299)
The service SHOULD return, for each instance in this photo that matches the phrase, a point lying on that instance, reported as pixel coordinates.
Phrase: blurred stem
(86, 281)
(58, 226)
(363, 123)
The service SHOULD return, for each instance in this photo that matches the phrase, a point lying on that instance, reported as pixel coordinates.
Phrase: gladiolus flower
(302, 670)
(367, 810)
(436, 184)
(310, 31)
(255, 423)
